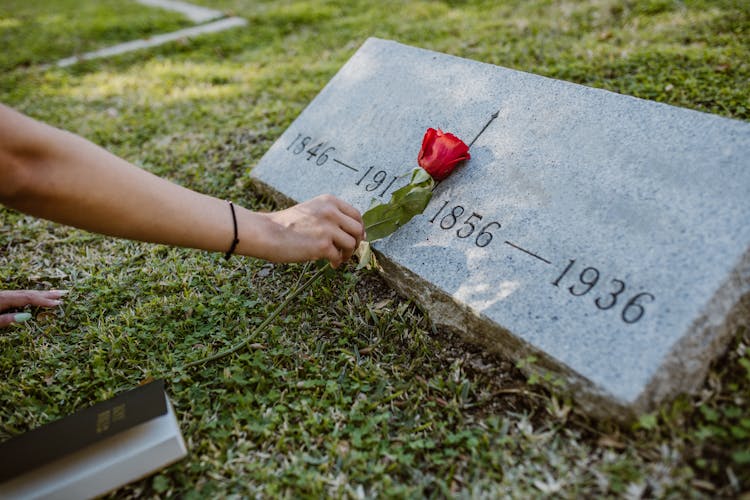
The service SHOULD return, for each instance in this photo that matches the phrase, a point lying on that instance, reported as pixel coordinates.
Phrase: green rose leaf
(406, 202)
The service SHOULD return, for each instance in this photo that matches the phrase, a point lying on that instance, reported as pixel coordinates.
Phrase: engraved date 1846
(372, 180)
(320, 150)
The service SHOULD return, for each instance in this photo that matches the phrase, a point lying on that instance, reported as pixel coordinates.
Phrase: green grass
(351, 391)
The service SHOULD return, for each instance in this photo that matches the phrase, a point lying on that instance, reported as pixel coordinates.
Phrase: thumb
(9, 319)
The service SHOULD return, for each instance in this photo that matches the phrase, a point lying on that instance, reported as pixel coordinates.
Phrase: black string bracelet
(235, 240)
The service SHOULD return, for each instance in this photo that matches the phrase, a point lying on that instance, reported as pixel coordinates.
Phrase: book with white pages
(95, 450)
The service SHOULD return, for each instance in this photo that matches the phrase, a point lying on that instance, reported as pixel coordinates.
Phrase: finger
(49, 298)
(344, 241)
(346, 245)
(333, 255)
(345, 255)
(348, 210)
(9, 319)
(10, 296)
(353, 214)
(45, 299)
(352, 227)
(20, 298)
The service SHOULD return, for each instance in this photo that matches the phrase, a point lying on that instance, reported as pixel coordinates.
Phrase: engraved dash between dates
(345, 165)
(527, 252)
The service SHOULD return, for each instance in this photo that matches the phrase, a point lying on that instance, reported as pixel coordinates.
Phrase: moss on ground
(351, 393)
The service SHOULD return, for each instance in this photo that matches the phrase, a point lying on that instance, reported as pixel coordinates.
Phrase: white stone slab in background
(195, 13)
(652, 199)
(156, 40)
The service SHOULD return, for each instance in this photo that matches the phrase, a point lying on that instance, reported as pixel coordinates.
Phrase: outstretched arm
(56, 175)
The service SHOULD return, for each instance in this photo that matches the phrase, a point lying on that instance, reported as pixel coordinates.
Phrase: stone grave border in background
(195, 13)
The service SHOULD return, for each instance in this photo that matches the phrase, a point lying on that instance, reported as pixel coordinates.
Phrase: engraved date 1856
(467, 227)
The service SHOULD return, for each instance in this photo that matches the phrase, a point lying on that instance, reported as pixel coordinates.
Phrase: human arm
(57, 175)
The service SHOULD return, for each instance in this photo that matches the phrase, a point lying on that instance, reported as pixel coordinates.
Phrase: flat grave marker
(607, 235)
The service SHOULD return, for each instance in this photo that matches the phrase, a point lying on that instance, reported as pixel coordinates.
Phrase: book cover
(95, 450)
(56, 439)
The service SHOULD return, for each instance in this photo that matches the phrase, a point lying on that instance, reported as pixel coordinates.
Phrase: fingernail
(61, 292)
(56, 302)
(21, 317)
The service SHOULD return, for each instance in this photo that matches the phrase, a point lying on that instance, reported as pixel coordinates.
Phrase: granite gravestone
(606, 235)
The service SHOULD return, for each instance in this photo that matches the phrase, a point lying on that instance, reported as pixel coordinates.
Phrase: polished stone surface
(607, 235)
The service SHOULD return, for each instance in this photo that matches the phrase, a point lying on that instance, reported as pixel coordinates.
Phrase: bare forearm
(59, 176)
(65, 178)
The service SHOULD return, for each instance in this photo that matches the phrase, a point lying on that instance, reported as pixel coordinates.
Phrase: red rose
(441, 153)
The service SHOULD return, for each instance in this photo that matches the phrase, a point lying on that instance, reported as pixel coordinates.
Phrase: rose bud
(441, 152)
